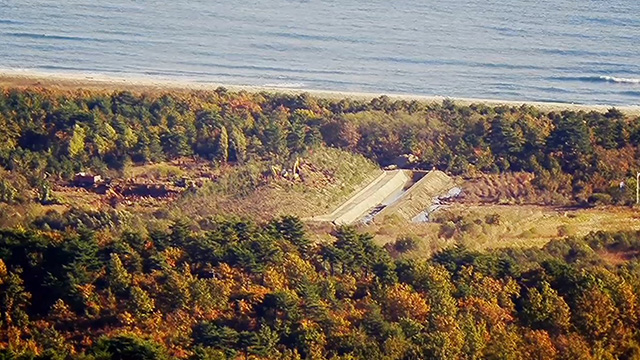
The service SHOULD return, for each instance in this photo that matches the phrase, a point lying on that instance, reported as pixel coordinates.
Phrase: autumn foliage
(264, 291)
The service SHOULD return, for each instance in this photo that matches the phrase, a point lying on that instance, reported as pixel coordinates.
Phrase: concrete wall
(420, 195)
(392, 182)
(411, 203)
(368, 197)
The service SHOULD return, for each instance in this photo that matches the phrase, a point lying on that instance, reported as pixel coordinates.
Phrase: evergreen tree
(222, 146)
(14, 300)
(237, 145)
(142, 305)
(119, 278)
(292, 229)
(7, 191)
(545, 309)
(128, 347)
(76, 143)
(570, 138)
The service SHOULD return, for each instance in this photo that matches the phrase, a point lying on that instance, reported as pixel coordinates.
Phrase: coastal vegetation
(194, 242)
(265, 291)
(579, 157)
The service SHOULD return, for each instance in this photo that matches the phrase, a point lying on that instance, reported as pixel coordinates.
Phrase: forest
(263, 291)
(50, 134)
(79, 285)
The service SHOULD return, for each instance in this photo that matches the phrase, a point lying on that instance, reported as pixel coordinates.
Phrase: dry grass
(154, 171)
(518, 226)
(507, 188)
(327, 177)
(618, 257)
(78, 197)
(330, 176)
(534, 226)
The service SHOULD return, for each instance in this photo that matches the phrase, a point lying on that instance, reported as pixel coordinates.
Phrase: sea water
(585, 51)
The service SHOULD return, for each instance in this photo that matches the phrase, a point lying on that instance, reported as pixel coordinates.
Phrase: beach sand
(28, 79)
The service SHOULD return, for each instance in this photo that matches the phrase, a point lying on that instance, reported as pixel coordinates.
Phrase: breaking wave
(291, 85)
(619, 80)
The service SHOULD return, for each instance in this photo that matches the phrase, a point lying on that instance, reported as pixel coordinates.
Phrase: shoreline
(69, 81)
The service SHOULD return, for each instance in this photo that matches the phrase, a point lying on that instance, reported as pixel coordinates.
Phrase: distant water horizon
(583, 52)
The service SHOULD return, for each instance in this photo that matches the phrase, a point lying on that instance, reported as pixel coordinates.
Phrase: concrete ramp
(420, 196)
(372, 195)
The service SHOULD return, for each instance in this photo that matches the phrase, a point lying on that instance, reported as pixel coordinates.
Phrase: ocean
(585, 51)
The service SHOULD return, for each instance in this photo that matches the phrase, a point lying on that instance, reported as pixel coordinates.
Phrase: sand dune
(23, 79)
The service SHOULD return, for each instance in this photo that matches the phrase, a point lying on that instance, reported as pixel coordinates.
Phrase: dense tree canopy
(77, 286)
(263, 291)
(59, 133)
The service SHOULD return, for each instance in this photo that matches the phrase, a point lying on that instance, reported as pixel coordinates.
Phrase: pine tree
(76, 143)
(222, 146)
(44, 193)
(7, 191)
(129, 347)
(292, 229)
(265, 342)
(274, 140)
(176, 291)
(13, 300)
(142, 304)
(571, 138)
(545, 309)
(119, 278)
(237, 145)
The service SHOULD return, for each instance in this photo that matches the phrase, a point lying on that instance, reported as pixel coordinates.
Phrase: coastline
(66, 81)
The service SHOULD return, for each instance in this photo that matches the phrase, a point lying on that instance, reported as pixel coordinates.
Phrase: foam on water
(620, 80)
(285, 85)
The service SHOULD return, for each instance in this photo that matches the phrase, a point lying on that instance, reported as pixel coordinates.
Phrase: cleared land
(327, 178)
(497, 210)
(392, 193)
(484, 226)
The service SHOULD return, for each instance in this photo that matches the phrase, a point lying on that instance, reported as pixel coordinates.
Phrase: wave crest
(619, 80)
(292, 85)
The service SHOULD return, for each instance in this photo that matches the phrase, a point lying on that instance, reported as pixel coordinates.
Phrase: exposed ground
(395, 192)
(495, 211)
(509, 188)
(419, 197)
(327, 178)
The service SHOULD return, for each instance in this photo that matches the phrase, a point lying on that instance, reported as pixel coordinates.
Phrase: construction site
(331, 187)
(413, 195)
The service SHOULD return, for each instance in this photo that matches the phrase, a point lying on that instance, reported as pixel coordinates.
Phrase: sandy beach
(26, 79)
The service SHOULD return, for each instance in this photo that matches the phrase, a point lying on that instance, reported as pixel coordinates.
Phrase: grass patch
(154, 172)
(327, 177)
(518, 226)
